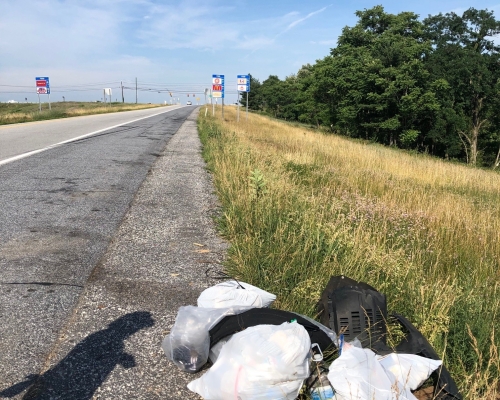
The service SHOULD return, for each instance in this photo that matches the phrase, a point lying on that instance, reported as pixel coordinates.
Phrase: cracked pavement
(109, 348)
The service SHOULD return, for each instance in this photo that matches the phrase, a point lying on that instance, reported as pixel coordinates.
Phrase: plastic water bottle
(320, 386)
(324, 390)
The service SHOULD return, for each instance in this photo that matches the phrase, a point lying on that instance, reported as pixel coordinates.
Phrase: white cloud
(81, 41)
(40, 33)
(298, 21)
(207, 27)
(254, 43)
(46, 32)
(291, 25)
(331, 42)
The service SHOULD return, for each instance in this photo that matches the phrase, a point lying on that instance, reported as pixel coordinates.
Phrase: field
(299, 206)
(27, 112)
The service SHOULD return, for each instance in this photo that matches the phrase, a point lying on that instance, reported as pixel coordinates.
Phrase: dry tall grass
(16, 113)
(300, 206)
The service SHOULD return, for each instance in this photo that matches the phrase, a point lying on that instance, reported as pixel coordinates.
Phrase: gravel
(110, 348)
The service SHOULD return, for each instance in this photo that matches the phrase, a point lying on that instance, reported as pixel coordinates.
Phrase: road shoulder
(155, 264)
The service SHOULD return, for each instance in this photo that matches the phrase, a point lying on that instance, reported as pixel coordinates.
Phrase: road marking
(65, 119)
(52, 146)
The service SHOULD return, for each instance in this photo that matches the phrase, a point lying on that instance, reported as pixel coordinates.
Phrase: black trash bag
(357, 309)
(232, 324)
(445, 387)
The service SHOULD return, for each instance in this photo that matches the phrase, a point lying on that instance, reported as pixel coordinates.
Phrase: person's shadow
(78, 375)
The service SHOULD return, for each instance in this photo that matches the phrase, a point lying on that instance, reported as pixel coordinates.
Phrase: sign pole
(50, 108)
(212, 101)
(39, 103)
(243, 85)
(218, 90)
(238, 118)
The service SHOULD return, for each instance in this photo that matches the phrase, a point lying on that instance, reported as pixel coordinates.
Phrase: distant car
(189, 103)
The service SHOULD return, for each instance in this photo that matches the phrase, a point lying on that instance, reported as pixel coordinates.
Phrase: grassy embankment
(300, 206)
(27, 112)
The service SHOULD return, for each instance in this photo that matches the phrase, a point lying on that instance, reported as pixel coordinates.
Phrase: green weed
(424, 232)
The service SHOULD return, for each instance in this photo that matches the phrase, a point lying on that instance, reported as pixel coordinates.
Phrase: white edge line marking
(52, 146)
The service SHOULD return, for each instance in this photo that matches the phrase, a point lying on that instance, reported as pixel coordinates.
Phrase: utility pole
(135, 90)
(238, 114)
(123, 98)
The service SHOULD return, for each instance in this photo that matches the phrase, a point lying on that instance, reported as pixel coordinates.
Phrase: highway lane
(18, 139)
(59, 210)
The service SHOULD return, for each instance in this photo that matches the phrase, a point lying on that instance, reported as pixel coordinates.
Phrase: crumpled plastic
(231, 294)
(360, 374)
(188, 344)
(262, 362)
(331, 334)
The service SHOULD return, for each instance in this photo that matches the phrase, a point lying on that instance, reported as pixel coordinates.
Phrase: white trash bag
(360, 374)
(262, 362)
(408, 369)
(216, 348)
(232, 293)
(188, 344)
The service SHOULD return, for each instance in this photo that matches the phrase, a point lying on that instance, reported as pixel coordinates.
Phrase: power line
(63, 86)
(177, 88)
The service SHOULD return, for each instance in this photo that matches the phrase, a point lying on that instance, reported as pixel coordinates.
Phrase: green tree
(254, 96)
(381, 88)
(466, 56)
(278, 97)
(314, 104)
(430, 85)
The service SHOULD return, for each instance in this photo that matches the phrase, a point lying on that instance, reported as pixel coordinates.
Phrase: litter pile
(262, 353)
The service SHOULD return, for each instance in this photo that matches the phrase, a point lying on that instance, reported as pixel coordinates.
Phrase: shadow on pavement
(78, 375)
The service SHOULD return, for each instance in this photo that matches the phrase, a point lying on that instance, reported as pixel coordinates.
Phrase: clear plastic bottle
(322, 389)
(318, 383)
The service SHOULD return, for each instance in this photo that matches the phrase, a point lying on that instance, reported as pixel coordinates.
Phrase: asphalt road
(59, 211)
(19, 139)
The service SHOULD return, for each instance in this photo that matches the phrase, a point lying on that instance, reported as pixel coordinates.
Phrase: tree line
(432, 86)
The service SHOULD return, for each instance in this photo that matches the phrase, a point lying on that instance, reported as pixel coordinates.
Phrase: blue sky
(84, 46)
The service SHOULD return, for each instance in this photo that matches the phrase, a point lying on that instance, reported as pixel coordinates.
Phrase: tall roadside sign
(107, 92)
(218, 91)
(243, 85)
(42, 85)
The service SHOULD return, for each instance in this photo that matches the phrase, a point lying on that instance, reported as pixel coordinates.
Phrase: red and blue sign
(42, 85)
(243, 82)
(218, 86)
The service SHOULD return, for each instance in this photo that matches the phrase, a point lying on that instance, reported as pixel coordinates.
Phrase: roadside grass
(299, 206)
(27, 112)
